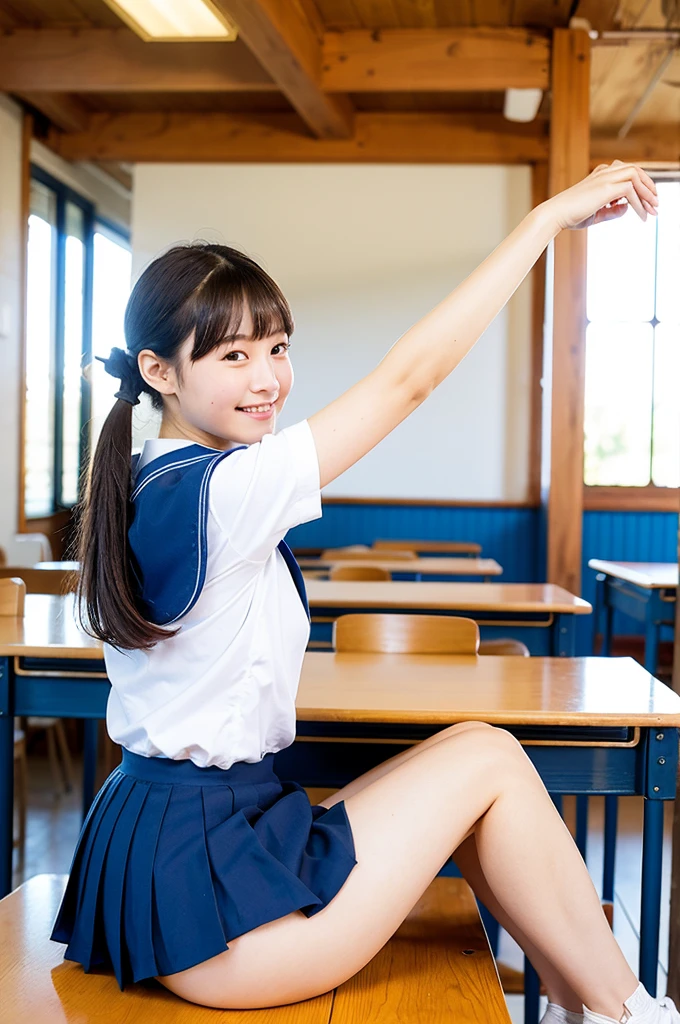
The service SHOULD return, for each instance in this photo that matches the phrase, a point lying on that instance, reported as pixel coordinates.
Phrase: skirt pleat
(138, 896)
(174, 861)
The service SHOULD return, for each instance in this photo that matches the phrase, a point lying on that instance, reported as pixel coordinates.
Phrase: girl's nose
(264, 377)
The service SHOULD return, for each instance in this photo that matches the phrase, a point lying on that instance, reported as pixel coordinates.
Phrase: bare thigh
(405, 824)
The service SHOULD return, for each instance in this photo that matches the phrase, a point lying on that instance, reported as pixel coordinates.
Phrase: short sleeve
(261, 492)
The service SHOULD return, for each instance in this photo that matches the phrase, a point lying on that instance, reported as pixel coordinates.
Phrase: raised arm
(354, 423)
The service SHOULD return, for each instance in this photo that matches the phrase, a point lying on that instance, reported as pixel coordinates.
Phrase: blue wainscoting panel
(627, 537)
(508, 534)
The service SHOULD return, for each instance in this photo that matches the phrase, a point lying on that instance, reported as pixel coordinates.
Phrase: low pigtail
(106, 592)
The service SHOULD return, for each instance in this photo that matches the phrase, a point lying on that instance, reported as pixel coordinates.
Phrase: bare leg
(467, 860)
(405, 826)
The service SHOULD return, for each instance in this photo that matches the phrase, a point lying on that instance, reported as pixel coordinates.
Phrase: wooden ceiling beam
(116, 60)
(653, 146)
(435, 60)
(378, 138)
(280, 36)
(64, 111)
(431, 60)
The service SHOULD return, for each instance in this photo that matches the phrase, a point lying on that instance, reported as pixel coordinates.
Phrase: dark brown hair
(199, 288)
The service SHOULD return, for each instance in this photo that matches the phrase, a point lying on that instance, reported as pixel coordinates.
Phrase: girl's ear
(157, 372)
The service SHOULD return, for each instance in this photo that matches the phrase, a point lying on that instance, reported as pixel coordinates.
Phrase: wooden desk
(415, 568)
(65, 566)
(590, 725)
(645, 591)
(539, 614)
(428, 547)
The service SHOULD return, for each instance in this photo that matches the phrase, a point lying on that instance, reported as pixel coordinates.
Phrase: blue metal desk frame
(550, 635)
(647, 768)
(654, 606)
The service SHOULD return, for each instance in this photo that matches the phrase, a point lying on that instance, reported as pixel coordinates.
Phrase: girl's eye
(234, 357)
(281, 348)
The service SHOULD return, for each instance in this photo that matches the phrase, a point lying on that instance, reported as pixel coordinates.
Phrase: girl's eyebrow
(229, 339)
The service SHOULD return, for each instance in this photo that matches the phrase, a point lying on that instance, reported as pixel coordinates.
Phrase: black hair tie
(122, 365)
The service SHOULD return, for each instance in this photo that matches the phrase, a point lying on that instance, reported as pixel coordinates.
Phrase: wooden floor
(54, 823)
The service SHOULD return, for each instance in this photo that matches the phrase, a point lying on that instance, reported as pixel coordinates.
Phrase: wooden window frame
(647, 498)
(64, 195)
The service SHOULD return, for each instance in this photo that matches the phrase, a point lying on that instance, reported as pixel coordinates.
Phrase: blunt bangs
(219, 304)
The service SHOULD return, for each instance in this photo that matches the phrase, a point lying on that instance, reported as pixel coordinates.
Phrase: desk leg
(532, 993)
(6, 776)
(652, 855)
(611, 816)
(89, 762)
(604, 613)
(652, 632)
(564, 636)
(582, 824)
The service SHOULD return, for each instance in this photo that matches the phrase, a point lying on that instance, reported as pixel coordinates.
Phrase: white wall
(361, 253)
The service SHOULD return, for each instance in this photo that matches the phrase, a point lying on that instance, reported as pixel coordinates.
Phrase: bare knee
(490, 742)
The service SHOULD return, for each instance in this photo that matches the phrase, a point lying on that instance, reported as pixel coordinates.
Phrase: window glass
(73, 352)
(632, 409)
(666, 441)
(618, 418)
(40, 299)
(111, 290)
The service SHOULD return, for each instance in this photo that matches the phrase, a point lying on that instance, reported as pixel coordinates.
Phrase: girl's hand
(605, 195)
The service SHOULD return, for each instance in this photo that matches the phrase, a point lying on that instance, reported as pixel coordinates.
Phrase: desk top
(424, 566)
(449, 547)
(652, 575)
(418, 689)
(408, 595)
(443, 689)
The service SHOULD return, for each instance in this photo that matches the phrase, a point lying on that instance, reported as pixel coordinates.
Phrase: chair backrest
(406, 634)
(360, 572)
(3, 557)
(42, 581)
(41, 540)
(12, 595)
(366, 554)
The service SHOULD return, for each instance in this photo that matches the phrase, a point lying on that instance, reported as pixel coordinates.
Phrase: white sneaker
(640, 1008)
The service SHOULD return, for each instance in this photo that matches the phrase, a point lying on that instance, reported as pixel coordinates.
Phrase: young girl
(196, 864)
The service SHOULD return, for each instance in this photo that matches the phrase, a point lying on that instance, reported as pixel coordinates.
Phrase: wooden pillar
(539, 193)
(562, 478)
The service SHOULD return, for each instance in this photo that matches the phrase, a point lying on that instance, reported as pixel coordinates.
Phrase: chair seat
(437, 967)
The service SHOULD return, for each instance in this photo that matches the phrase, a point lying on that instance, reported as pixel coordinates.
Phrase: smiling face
(232, 395)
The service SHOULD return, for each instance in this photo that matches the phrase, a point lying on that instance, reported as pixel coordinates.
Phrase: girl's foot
(640, 1008)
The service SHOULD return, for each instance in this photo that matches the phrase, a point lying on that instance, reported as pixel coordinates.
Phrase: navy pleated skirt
(174, 861)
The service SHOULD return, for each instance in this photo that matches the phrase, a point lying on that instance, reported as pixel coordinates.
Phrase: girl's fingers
(634, 200)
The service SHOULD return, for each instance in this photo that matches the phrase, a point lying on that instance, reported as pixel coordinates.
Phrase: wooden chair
(43, 581)
(360, 572)
(3, 557)
(12, 596)
(504, 645)
(437, 966)
(417, 634)
(406, 634)
(360, 553)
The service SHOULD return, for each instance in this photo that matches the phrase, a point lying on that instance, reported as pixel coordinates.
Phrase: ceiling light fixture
(175, 20)
(522, 104)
